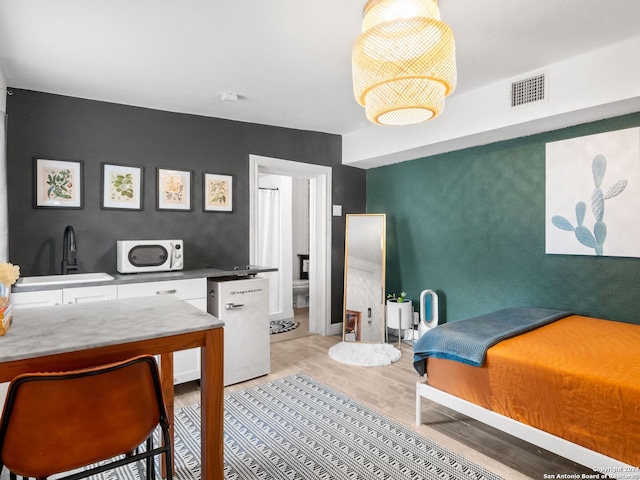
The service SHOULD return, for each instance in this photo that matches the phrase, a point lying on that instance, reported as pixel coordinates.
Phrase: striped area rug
(296, 428)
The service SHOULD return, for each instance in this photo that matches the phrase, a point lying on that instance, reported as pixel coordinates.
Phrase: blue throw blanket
(468, 340)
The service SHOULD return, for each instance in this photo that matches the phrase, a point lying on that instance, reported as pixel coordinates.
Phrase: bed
(567, 383)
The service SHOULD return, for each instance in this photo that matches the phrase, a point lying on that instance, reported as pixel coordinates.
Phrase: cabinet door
(89, 294)
(41, 298)
(186, 363)
(183, 289)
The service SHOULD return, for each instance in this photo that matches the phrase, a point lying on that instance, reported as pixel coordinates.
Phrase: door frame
(319, 177)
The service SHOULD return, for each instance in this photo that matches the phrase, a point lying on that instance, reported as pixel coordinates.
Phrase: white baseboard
(336, 329)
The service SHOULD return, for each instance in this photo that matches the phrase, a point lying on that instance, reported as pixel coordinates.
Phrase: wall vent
(529, 90)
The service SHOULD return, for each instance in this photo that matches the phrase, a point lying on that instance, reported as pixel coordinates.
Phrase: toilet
(300, 293)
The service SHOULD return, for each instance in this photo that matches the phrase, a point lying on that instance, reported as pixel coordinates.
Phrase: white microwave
(136, 256)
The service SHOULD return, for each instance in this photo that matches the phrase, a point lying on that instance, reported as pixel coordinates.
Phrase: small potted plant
(399, 299)
(399, 312)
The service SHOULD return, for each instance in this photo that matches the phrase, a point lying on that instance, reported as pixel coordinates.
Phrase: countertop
(66, 328)
(119, 279)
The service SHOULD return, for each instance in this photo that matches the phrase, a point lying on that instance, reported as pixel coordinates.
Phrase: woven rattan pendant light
(404, 62)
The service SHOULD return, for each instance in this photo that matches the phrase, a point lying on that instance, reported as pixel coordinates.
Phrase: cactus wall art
(593, 195)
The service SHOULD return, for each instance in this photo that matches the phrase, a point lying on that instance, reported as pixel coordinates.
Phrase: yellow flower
(9, 273)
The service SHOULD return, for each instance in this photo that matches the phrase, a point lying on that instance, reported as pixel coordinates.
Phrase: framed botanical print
(174, 189)
(217, 193)
(58, 183)
(122, 187)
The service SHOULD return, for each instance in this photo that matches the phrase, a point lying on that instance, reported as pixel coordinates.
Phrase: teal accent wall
(470, 225)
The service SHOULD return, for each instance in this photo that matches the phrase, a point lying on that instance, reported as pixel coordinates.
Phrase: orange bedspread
(577, 378)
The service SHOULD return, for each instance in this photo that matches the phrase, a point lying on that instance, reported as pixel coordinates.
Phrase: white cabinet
(43, 298)
(186, 363)
(89, 294)
(190, 289)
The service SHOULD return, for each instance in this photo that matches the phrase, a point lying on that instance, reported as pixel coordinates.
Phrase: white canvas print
(593, 195)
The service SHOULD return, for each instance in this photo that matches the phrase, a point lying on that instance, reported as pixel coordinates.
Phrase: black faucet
(69, 245)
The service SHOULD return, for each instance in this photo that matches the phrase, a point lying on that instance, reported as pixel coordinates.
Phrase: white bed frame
(589, 458)
(579, 454)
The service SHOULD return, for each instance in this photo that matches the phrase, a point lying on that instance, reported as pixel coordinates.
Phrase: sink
(40, 280)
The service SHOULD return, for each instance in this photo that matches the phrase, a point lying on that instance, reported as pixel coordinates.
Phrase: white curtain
(4, 213)
(269, 241)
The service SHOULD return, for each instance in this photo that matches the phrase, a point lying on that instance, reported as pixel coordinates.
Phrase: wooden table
(73, 336)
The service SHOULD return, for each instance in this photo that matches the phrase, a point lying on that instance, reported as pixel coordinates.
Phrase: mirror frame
(381, 306)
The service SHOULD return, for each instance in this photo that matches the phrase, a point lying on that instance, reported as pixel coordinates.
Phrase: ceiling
(289, 61)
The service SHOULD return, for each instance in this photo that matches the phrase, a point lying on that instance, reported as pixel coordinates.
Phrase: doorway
(319, 229)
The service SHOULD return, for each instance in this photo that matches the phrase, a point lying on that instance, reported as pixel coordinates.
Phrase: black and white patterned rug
(296, 428)
(281, 326)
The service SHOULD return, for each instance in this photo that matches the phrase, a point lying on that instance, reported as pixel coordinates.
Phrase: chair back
(56, 422)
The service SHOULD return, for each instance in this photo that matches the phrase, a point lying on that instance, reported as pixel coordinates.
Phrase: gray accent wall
(65, 128)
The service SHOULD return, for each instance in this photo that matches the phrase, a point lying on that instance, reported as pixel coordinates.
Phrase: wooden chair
(59, 422)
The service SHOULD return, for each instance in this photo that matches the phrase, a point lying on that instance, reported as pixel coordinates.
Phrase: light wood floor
(391, 391)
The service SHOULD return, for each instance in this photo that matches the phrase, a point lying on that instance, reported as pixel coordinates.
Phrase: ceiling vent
(529, 90)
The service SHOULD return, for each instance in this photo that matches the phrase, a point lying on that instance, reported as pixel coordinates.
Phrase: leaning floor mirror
(364, 273)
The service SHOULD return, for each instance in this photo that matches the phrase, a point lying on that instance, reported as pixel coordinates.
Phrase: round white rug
(365, 354)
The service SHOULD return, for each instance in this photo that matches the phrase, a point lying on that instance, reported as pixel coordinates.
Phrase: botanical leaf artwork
(173, 189)
(60, 183)
(593, 239)
(121, 187)
(218, 192)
